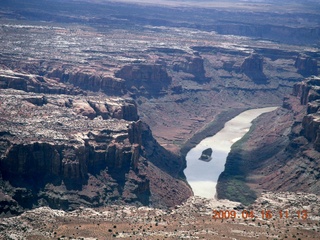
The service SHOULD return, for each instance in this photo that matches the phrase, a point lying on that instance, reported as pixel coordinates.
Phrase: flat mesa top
(52, 121)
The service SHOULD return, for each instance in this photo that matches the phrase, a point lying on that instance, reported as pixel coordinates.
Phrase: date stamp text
(263, 214)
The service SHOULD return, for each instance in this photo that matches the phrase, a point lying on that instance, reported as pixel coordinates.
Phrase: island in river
(206, 155)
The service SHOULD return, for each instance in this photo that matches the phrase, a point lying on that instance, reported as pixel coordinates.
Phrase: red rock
(152, 78)
(253, 67)
(306, 66)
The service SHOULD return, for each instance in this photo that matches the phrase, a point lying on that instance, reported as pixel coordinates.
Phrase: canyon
(100, 101)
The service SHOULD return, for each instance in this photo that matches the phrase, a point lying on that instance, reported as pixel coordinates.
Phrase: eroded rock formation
(306, 66)
(89, 80)
(310, 96)
(145, 79)
(34, 83)
(253, 67)
(66, 151)
(193, 65)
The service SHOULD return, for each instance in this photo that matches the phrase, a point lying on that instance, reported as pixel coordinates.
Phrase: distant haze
(262, 5)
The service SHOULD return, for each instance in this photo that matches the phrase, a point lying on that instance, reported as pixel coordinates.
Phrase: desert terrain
(101, 100)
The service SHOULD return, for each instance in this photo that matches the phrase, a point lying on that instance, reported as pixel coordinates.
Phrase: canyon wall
(281, 151)
(66, 151)
(286, 34)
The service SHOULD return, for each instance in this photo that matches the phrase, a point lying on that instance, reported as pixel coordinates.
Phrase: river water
(203, 176)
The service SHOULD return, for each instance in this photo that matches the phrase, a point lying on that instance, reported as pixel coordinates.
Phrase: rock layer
(34, 83)
(89, 80)
(66, 151)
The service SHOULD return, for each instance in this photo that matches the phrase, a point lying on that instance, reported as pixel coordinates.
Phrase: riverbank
(231, 182)
(203, 176)
(243, 158)
(210, 129)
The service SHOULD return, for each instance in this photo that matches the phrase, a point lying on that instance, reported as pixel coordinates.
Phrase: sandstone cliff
(89, 79)
(193, 65)
(309, 94)
(145, 79)
(34, 83)
(306, 66)
(252, 66)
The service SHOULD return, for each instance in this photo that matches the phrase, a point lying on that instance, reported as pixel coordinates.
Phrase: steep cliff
(252, 66)
(285, 34)
(89, 79)
(193, 65)
(306, 66)
(34, 83)
(66, 151)
(145, 79)
(281, 151)
(309, 94)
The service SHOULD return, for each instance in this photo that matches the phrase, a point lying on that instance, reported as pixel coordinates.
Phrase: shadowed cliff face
(193, 65)
(309, 93)
(253, 68)
(90, 80)
(307, 66)
(65, 151)
(145, 79)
